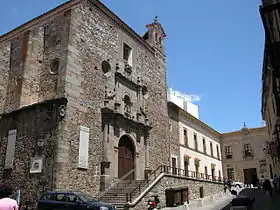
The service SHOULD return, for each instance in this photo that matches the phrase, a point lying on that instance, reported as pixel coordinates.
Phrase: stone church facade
(81, 85)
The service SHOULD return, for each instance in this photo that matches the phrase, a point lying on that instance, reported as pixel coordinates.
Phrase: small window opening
(54, 66)
(106, 68)
(127, 54)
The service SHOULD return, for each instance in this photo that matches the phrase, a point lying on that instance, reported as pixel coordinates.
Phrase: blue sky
(214, 50)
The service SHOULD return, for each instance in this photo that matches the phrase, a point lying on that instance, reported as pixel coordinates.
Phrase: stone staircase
(117, 195)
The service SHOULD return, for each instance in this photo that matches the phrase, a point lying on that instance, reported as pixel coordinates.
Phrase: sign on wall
(83, 147)
(36, 165)
(10, 152)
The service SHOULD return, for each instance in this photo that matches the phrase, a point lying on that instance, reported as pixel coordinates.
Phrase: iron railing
(116, 184)
(171, 171)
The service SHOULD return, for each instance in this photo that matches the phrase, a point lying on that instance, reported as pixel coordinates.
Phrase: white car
(237, 184)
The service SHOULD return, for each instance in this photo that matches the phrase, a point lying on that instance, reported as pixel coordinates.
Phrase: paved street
(261, 202)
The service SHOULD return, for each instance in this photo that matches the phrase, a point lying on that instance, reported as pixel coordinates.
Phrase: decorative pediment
(186, 157)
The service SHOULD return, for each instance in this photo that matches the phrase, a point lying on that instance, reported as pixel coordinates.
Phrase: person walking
(6, 203)
(267, 187)
(275, 183)
(266, 194)
(229, 184)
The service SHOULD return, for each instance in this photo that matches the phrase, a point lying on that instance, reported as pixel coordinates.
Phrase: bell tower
(155, 35)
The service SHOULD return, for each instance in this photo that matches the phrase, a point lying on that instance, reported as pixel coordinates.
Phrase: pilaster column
(147, 152)
(105, 140)
(147, 157)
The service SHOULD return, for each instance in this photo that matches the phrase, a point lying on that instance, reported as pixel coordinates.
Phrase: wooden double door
(126, 158)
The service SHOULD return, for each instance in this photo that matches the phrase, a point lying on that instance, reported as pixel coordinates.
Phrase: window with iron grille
(247, 150)
(228, 151)
(230, 173)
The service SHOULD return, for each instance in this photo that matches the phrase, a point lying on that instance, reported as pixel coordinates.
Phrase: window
(206, 172)
(247, 150)
(60, 197)
(106, 68)
(204, 145)
(46, 197)
(186, 167)
(185, 137)
(174, 165)
(160, 42)
(211, 149)
(195, 141)
(230, 173)
(73, 198)
(196, 164)
(54, 67)
(127, 54)
(228, 151)
(218, 152)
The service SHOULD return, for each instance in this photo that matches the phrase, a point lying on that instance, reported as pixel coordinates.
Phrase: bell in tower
(155, 35)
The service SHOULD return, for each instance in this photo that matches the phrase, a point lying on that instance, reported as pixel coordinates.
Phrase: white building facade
(183, 101)
(199, 146)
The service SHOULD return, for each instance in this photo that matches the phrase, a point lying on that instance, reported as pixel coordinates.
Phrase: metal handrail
(173, 171)
(115, 183)
(129, 195)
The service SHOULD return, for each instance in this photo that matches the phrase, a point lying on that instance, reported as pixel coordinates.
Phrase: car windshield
(86, 197)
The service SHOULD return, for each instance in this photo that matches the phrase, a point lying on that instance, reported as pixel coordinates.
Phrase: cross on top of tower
(156, 19)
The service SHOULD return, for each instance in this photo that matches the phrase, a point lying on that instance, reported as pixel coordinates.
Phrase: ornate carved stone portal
(125, 112)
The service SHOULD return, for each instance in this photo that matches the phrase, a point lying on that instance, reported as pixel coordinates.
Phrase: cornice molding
(199, 152)
(66, 6)
(39, 20)
(199, 123)
(240, 132)
(207, 128)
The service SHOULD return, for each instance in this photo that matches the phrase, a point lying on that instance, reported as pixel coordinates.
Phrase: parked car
(66, 200)
(237, 184)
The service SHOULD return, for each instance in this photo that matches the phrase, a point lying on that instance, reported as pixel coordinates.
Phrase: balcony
(248, 154)
(228, 156)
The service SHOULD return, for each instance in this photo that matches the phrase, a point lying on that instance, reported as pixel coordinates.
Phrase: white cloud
(192, 97)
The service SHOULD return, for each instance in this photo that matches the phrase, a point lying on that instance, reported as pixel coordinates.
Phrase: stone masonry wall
(5, 50)
(173, 114)
(36, 127)
(33, 64)
(93, 38)
(170, 181)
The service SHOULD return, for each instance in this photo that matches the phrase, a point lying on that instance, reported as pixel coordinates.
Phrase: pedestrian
(259, 184)
(6, 203)
(229, 184)
(275, 183)
(267, 187)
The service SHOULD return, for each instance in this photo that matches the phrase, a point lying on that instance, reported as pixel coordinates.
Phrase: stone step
(117, 196)
(119, 206)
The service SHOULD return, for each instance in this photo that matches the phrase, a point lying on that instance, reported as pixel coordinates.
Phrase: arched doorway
(126, 157)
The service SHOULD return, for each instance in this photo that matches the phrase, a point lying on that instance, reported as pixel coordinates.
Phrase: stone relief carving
(62, 110)
(110, 95)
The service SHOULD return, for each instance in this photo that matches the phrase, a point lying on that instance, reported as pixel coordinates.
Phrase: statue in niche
(142, 110)
(127, 106)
